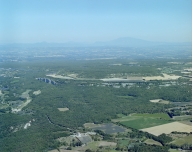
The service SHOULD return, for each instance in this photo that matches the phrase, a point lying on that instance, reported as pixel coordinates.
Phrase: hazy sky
(94, 20)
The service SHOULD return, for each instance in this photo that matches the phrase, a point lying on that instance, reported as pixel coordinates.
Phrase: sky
(31, 21)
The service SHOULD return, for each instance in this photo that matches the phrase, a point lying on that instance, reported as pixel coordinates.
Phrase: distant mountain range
(127, 42)
(120, 42)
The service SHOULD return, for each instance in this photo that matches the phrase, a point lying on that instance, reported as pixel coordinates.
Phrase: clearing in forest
(63, 109)
(159, 101)
(168, 128)
(152, 142)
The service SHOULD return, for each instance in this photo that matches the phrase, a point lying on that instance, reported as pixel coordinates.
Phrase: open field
(139, 121)
(155, 115)
(152, 142)
(144, 122)
(125, 118)
(184, 140)
(63, 109)
(168, 128)
(187, 122)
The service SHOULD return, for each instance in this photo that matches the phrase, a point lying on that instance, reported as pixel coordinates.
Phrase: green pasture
(154, 115)
(140, 121)
(184, 140)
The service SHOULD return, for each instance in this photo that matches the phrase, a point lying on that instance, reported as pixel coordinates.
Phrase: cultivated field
(154, 115)
(144, 122)
(184, 140)
(139, 121)
(125, 118)
(168, 128)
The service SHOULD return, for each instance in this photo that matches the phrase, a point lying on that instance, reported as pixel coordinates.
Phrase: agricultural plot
(144, 122)
(155, 115)
(168, 128)
(125, 118)
(108, 128)
(184, 140)
(139, 121)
